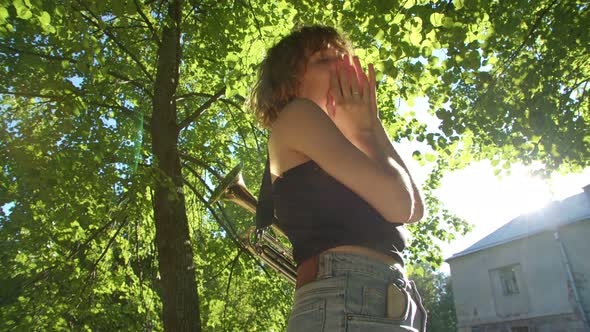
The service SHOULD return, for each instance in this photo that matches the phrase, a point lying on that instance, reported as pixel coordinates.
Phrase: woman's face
(315, 82)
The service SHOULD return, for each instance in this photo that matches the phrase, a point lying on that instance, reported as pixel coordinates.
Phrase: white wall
(541, 277)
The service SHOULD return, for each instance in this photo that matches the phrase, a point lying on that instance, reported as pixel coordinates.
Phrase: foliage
(508, 80)
(437, 297)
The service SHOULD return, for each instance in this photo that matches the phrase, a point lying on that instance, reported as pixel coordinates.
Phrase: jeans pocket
(378, 305)
(398, 302)
(307, 315)
(374, 299)
(377, 297)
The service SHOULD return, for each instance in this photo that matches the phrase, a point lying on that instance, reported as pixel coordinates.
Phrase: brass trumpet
(262, 242)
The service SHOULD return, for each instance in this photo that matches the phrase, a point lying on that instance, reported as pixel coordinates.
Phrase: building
(532, 274)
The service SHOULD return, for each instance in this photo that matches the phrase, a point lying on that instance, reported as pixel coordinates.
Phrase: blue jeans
(350, 293)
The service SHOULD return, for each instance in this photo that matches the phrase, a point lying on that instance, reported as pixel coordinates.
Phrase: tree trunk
(179, 288)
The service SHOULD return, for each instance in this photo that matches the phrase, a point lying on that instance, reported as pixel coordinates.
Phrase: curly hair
(284, 65)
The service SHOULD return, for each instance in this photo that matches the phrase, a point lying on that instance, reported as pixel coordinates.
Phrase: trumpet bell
(260, 242)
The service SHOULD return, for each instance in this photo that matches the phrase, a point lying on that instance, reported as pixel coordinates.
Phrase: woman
(338, 188)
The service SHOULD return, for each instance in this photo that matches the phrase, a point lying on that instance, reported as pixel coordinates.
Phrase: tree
(118, 117)
(437, 297)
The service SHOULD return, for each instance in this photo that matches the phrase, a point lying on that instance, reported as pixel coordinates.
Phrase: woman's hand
(352, 102)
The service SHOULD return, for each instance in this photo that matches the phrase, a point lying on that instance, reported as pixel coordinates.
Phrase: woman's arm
(303, 127)
(385, 143)
(376, 145)
(391, 156)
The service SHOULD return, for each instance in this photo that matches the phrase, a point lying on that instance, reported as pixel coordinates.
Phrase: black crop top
(317, 212)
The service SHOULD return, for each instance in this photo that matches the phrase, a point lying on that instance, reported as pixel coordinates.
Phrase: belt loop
(325, 265)
(400, 278)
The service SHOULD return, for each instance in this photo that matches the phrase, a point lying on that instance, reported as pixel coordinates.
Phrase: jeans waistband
(332, 264)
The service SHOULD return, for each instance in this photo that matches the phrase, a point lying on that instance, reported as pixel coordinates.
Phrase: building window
(508, 280)
(509, 287)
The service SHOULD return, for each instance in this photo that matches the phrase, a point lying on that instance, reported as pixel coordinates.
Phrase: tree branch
(149, 24)
(505, 64)
(193, 94)
(253, 129)
(122, 108)
(255, 20)
(31, 94)
(202, 164)
(222, 224)
(201, 109)
(106, 249)
(514, 54)
(231, 273)
(195, 174)
(114, 39)
(109, 106)
(49, 57)
(123, 27)
(126, 79)
(219, 272)
(229, 230)
(39, 54)
(237, 124)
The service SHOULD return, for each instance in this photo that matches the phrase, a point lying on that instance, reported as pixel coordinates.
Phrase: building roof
(558, 213)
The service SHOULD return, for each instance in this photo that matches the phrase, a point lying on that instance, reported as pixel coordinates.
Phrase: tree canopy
(118, 119)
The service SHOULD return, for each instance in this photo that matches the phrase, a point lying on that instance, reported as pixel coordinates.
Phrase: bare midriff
(367, 252)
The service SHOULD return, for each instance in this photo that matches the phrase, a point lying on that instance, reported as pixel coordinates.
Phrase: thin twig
(252, 127)
(202, 164)
(231, 272)
(195, 174)
(193, 94)
(31, 94)
(515, 53)
(106, 249)
(147, 21)
(41, 55)
(135, 83)
(256, 21)
(201, 109)
(237, 242)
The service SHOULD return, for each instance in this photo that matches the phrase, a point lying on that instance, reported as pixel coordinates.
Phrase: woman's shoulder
(300, 104)
(296, 115)
(281, 158)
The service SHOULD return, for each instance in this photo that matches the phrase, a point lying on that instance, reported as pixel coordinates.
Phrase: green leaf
(19, 5)
(415, 37)
(118, 7)
(436, 19)
(447, 22)
(417, 155)
(130, 7)
(44, 19)
(22, 10)
(409, 4)
(3, 15)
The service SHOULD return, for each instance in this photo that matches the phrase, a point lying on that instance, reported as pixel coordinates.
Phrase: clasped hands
(351, 100)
